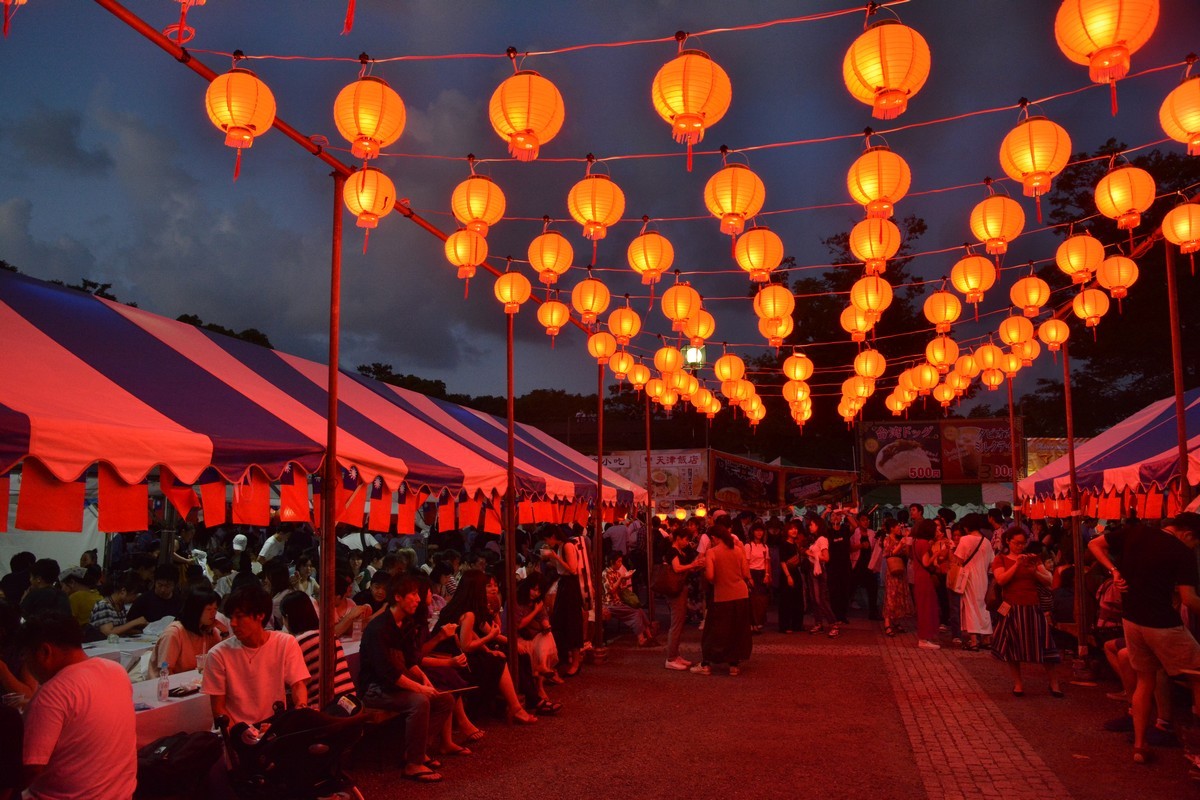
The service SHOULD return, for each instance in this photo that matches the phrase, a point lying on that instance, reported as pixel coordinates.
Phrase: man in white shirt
(248, 673)
(80, 734)
(618, 536)
(273, 546)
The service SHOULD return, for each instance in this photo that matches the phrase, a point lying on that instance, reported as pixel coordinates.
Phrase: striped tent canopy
(1138, 452)
(87, 381)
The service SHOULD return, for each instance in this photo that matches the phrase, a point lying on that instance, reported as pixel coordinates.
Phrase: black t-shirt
(685, 556)
(12, 734)
(839, 547)
(787, 551)
(153, 607)
(365, 598)
(1153, 563)
(387, 650)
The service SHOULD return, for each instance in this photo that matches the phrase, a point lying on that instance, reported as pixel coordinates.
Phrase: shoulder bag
(956, 578)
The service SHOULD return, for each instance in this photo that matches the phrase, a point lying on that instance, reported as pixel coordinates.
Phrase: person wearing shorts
(1152, 566)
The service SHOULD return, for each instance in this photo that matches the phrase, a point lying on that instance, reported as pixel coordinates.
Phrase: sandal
(548, 707)
(433, 763)
(475, 735)
(521, 717)
(1142, 755)
(457, 751)
(425, 776)
(889, 631)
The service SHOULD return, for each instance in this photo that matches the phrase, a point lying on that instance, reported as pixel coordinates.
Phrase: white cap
(239, 543)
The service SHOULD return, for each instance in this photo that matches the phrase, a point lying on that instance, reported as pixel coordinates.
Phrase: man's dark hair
(60, 630)
(920, 509)
(947, 514)
(22, 561)
(974, 521)
(381, 577)
(249, 599)
(995, 515)
(400, 585)
(390, 562)
(222, 563)
(298, 612)
(129, 581)
(166, 572)
(45, 570)
(194, 603)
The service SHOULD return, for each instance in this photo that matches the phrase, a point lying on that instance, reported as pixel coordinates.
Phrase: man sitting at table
(248, 673)
(80, 734)
(163, 601)
(80, 588)
(109, 615)
(44, 596)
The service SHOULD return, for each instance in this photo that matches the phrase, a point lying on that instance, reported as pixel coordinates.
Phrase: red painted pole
(649, 519)
(598, 541)
(1185, 489)
(510, 525)
(1081, 608)
(1016, 454)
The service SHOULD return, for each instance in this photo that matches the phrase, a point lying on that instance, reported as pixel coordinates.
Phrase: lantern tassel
(1038, 202)
(366, 236)
(976, 311)
(651, 308)
(552, 338)
(466, 287)
(1112, 95)
(237, 164)
(348, 25)
(8, 20)
(594, 243)
(1192, 259)
(689, 156)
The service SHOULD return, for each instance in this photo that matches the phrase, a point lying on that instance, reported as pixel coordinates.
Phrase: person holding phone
(1023, 633)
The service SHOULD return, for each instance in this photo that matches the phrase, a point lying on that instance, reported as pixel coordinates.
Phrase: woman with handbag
(1023, 633)
(897, 600)
(671, 582)
(973, 556)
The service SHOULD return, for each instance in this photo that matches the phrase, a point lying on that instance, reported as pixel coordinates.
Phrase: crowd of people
(429, 617)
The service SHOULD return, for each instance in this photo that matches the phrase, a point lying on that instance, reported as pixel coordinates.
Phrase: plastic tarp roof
(1136, 452)
(85, 380)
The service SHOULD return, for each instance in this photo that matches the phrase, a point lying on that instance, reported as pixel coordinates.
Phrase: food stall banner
(941, 451)
(675, 475)
(741, 483)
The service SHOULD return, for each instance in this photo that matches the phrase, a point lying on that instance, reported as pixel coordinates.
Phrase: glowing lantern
(1029, 294)
(992, 378)
(691, 92)
(905, 383)
(798, 367)
(369, 195)
(1027, 351)
(1181, 226)
(885, 66)
(858, 387)
(466, 250)
(624, 323)
(1102, 34)
(679, 304)
(729, 368)
(691, 386)
(996, 221)
(873, 242)
(870, 364)
(639, 375)
(1034, 152)
(1090, 305)
(1014, 330)
(924, 377)
(602, 345)
(526, 111)
(667, 400)
(702, 398)
(856, 323)
(1117, 274)
(370, 115)
(877, 180)
(847, 411)
(958, 382)
(751, 404)
(650, 254)
(590, 299)
(895, 405)
(595, 203)
(699, 327)
(796, 391)
(1054, 333)
(241, 105)
(967, 365)
(693, 357)
(655, 388)
(758, 251)
(756, 415)
(1010, 364)
(776, 330)
(1179, 114)
(988, 356)
(942, 309)
(972, 276)
(1123, 194)
(512, 289)
(942, 352)
(676, 381)
(943, 394)
(774, 302)
(871, 295)
(734, 195)
(1079, 256)
(668, 359)
(478, 203)
(553, 315)
(737, 391)
(551, 255)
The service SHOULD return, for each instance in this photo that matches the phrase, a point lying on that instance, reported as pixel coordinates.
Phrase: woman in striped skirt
(1023, 634)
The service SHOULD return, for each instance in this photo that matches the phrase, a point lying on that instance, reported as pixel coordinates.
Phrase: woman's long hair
(194, 603)
(471, 595)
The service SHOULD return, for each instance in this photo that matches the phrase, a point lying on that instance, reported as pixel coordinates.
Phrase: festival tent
(1139, 452)
(91, 386)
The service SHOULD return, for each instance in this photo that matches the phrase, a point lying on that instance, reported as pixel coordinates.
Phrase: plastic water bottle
(357, 629)
(164, 683)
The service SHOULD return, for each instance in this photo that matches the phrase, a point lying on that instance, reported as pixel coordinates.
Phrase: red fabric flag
(542, 511)
(1035, 510)
(1109, 506)
(4, 489)
(354, 508)
(181, 495)
(445, 517)
(46, 503)
(212, 503)
(380, 517)
(492, 522)
(406, 513)
(293, 495)
(1174, 502)
(468, 512)
(610, 514)
(525, 514)
(123, 507)
(582, 514)
(252, 500)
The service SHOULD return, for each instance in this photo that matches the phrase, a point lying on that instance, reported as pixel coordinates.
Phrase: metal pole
(1081, 607)
(649, 519)
(1185, 489)
(510, 526)
(328, 494)
(1012, 435)
(598, 541)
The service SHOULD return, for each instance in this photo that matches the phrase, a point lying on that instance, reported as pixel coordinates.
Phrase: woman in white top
(974, 553)
(818, 558)
(758, 558)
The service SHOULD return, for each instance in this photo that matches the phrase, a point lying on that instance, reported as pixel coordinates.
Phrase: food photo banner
(675, 475)
(742, 483)
(942, 451)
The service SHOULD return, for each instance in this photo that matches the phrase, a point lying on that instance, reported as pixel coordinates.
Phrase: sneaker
(701, 669)
(677, 665)
(925, 644)
(815, 629)
(834, 632)
(1122, 696)
(944, 628)
(734, 672)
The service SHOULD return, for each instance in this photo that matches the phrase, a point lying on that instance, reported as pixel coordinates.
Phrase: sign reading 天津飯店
(943, 451)
(675, 475)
